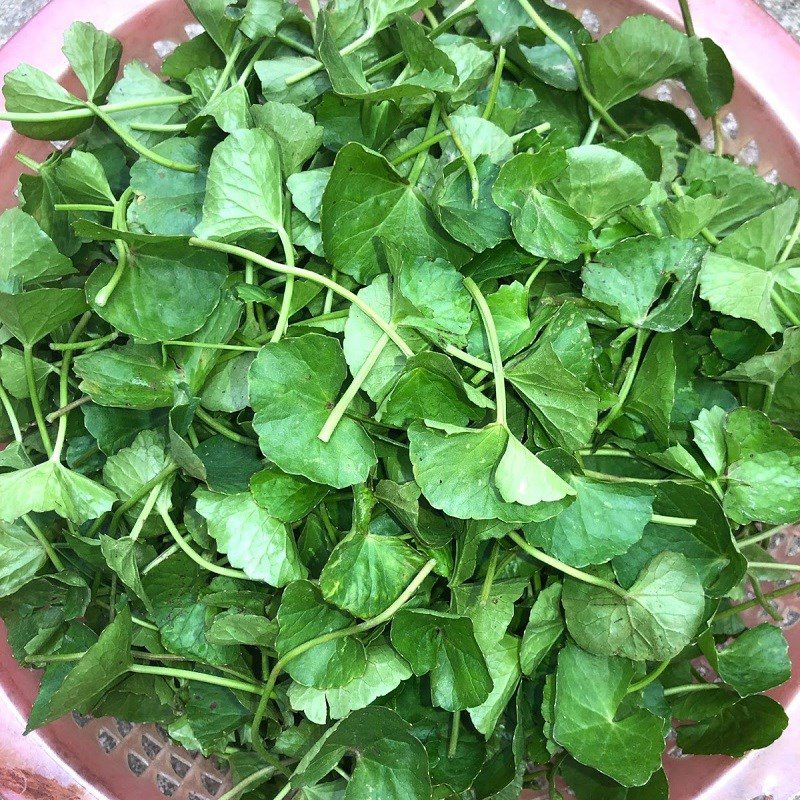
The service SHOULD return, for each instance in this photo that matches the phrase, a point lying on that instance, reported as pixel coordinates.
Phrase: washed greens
(398, 401)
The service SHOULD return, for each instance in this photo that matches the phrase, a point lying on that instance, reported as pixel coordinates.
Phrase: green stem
(791, 243)
(224, 430)
(452, 746)
(251, 780)
(758, 592)
(616, 409)
(86, 113)
(196, 557)
(686, 12)
(26, 161)
(326, 308)
(494, 349)
(417, 149)
(198, 677)
(307, 274)
(777, 566)
(81, 401)
(592, 131)
(535, 273)
(63, 391)
(603, 476)
(491, 571)
(86, 344)
(286, 305)
(254, 59)
(35, 402)
(689, 688)
(365, 37)
(294, 44)
(44, 542)
(473, 361)
(607, 452)
(145, 513)
(158, 127)
(119, 223)
(496, 80)
(648, 679)
(352, 390)
(422, 157)
(742, 607)
(565, 568)
(161, 558)
(138, 495)
(100, 209)
(761, 535)
(353, 630)
(675, 522)
(211, 346)
(137, 146)
(474, 181)
(583, 82)
(787, 312)
(230, 66)
(5, 400)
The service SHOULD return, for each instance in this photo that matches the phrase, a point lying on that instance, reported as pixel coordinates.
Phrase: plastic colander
(79, 758)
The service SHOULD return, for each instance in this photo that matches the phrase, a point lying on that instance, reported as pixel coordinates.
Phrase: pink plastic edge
(767, 59)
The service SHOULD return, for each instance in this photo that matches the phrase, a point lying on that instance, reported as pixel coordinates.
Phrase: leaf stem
(787, 251)
(315, 277)
(63, 390)
(474, 181)
(100, 209)
(34, 398)
(422, 147)
(353, 630)
(616, 409)
(690, 687)
(603, 476)
(118, 223)
(494, 349)
(212, 346)
(535, 273)
(455, 728)
(145, 513)
(138, 495)
(156, 127)
(686, 12)
(782, 305)
(86, 113)
(496, 80)
(44, 542)
(777, 566)
(250, 780)
(675, 522)
(159, 559)
(286, 304)
(648, 679)
(308, 72)
(761, 535)
(137, 146)
(583, 82)
(491, 571)
(352, 390)
(224, 430)
(230, 66)
(5, 400)
(198, 677)
(565, 568)
(746, 606)
(422, 156)
(86, 344)
(196, 557)
(592, 131)
(763, 602)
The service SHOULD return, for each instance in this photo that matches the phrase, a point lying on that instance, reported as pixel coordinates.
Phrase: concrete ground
(14, 13)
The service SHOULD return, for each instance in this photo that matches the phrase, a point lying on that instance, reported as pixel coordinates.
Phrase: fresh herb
(394, 400)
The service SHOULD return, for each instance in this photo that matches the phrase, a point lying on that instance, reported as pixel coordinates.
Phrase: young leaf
(94, 57)
(21, 557)
(544, 629)
(31, 316)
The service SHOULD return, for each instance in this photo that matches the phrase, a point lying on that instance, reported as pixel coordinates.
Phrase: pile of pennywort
(396, 400)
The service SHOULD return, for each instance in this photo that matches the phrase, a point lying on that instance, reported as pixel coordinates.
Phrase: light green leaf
(21, 557)
(709, 436)
(288, 498)
(94, 57)
(653, 394)
(35, 314)
(504, 669)
(295, 131)
(544, 629)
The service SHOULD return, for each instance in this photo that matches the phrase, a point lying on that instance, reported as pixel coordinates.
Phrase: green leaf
(82, 179)
(653, 394)
(307, 189)
(367, 572)
(303, 615)
(133, 377)
(763, 471)
(709, 436)
(710, 79)
(589, 692)
(588, 784)
(100, 668)
(708, 545)
(28, 90)
(288, 498)
(504, 670)
(52, 487)
(491, 613)
(628, 280)
(599, 181)
(768, 369)
(170, 203)
(559, 400)
(544, 629)
(365, 199)
(605, 520)
(213, 16)
(94, 57)
(122, 557)
(31, 316)
(13, 377)
(752, 723)
(384, 673)
(162, 295)
(303, 376)
(484, 474)
(295, 131)
(640, 52)
(445, 646)
(393, 765)
(28, 253)
(249, 629)
(244, 194)
(655, 619)
(741, 278)
(21, 557)
(252, 540)
(274, 73)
